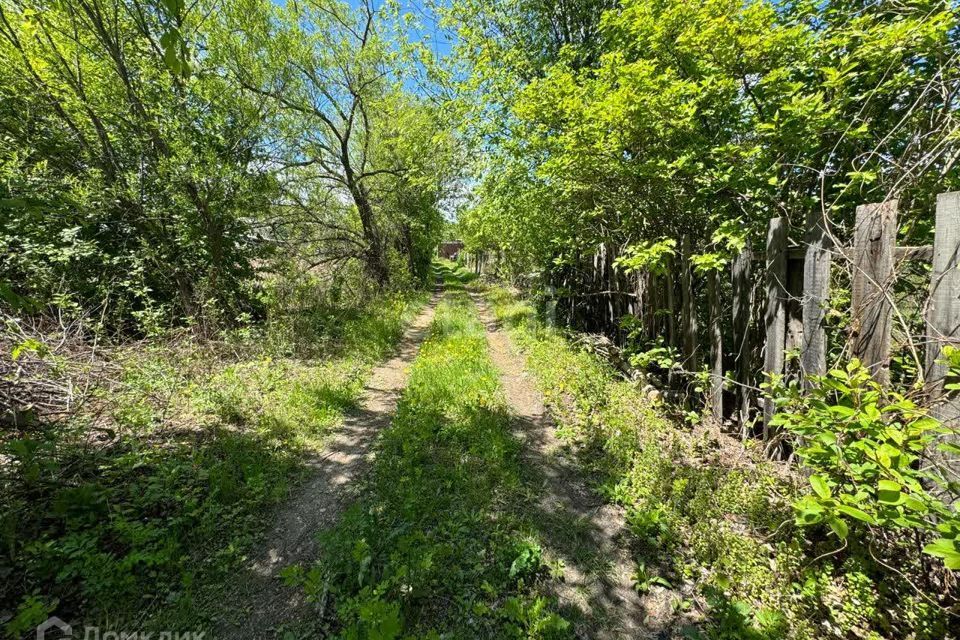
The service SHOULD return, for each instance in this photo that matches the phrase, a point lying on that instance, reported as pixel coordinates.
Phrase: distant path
(575, 523)
(263, 604)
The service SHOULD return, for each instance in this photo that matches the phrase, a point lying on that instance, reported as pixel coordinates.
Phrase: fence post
(943, 315)
(716, 346)
(775, 317)
(816, 295)
(643, 301)
(654, 305)
(550, 310)
(689, 327)
(671, 306)
(871, 313)
(612, 286)
(742, 306)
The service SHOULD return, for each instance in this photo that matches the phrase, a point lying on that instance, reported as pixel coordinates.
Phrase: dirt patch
(262, 604)
(589, 536)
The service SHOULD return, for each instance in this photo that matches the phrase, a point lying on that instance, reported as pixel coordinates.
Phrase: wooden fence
(776, 303)
(795, 285)
(480, 262)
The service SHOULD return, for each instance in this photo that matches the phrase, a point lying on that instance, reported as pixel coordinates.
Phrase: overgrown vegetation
(633, 150)
(155, 154)
(215, 216)
(712, 514)
(863, 445)
(628, 124)
(436, 547)
(147, 498)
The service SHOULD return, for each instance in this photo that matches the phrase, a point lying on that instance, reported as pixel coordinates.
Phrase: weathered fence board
(670, 305)
(775, 317)
(550, 307)
(943, 315)
(716, 346)
(871, 314)
(793, 342)
(793, 308)
(742, 310)
(689, 317)
(924, 252)
(816, 295)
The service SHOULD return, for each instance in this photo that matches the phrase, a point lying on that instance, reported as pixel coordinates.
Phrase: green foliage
(863, 444)
(643, 580)
(31, 612)
(656, 119)
(709, 516)
(649, 526)
(158, 496)
(150, 169)
(529, 560)
(649, 256)
(652, 358)
(738, 620)
(126, 175)
(365, 164)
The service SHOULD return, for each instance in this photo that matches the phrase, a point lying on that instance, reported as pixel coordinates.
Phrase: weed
(726, 525)
(643, 580)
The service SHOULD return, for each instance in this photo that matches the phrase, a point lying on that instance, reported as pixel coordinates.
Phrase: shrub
(721, 517)
(863, 445)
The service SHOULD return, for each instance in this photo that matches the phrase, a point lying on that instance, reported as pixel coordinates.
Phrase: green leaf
(839, 527)
(30, 344)
(853, 512)
(889, 492)
(949, 447)
(173, 7)
(820, 486)
(827, 437)
(915, 505)
(172, 59)
(946, 550)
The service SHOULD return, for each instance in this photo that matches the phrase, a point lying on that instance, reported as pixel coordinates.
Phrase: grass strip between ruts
(434, 546)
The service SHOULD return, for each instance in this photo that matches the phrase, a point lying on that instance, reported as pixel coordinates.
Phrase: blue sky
(425, 29)
(428, 30)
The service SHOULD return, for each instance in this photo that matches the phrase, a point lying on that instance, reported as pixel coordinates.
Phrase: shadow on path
(577, 526)
(261, 604)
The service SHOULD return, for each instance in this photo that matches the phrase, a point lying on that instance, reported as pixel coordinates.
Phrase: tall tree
(129, 162)
(709, 118)
(324, 66)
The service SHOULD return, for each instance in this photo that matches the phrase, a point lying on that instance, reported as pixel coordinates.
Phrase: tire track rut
(262, 604)
(578, 527)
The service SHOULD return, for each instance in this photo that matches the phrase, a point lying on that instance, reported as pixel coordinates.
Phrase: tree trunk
(375, 256)
(409, 250)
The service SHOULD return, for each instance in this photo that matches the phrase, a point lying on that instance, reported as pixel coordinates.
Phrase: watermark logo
(56, 629)
(47, 630)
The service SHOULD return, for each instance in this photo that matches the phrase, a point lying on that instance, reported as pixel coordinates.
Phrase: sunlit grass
(701, 510)
(435, 544)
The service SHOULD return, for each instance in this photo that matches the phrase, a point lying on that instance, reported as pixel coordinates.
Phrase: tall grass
(706, 512)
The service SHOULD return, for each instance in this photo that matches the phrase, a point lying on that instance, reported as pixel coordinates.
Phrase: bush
(150, 492)
(863, 446)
